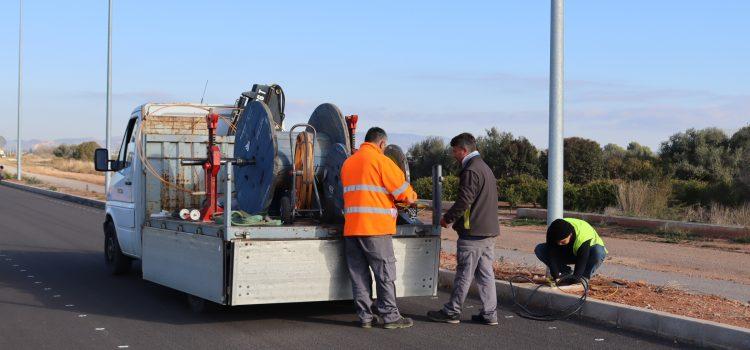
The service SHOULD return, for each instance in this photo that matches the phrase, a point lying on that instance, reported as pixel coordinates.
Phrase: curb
(706, 230)
(57, 195)
(661, 324)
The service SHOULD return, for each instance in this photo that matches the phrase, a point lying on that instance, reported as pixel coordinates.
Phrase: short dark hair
(559, 230)
(375, 134)
(466, 141)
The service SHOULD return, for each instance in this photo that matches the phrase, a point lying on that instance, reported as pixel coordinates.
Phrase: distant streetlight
(109, 92)
(555, 156)
(20, 51)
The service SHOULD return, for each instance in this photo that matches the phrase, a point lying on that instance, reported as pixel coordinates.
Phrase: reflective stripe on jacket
(372, 183)
(584, 232)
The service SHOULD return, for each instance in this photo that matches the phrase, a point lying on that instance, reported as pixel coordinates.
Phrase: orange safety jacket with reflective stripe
(372, 182)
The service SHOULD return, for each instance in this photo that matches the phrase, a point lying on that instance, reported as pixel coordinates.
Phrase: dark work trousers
(376, 253)
(596, 257)
(474, 258)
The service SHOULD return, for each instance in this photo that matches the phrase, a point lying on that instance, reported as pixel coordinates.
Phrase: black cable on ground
(523, 307)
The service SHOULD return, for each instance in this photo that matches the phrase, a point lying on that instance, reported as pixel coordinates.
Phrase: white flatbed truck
(222, 263)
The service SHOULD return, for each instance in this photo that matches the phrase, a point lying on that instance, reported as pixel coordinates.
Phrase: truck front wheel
(116, 262)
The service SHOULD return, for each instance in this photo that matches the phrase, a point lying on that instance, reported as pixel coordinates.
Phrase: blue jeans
(596, 258)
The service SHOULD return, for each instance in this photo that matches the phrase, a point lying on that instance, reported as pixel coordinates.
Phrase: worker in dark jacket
(571, 241)
(474, 217)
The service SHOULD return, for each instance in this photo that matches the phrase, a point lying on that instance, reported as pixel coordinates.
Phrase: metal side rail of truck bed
(282, 264)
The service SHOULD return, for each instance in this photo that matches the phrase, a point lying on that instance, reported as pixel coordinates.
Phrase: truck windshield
(122, 157)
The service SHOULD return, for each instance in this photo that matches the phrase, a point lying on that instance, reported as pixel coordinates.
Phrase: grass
(32, 180)
(741, 240)
(676, 236)
(527, 222)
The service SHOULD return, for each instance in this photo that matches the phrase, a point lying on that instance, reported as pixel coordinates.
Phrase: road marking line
(15, 265)
(123, 346)
(56, 296)
(22, 270)
(37, 282)
(69, 305)
(599, 339)
(30, 276)
(99, 329)
(48, 288)
(82, 315)
(509, 316)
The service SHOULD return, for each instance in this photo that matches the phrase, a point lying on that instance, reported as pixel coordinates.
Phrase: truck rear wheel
(117, 263)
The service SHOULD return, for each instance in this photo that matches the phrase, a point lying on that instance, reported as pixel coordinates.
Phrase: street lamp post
(20, 75)
(108, 126)
(555, 156)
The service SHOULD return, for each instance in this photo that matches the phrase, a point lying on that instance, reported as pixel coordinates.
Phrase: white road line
(37, 282)
(48, 288)
(69, 305)
(82, 315)
(99, 329)
(123, 346)
(56, 296)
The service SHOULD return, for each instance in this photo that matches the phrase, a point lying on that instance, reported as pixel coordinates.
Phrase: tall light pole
(20, 75)
(555, 156)
(108, 126)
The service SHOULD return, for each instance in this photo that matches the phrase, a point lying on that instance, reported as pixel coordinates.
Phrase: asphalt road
(55, 294)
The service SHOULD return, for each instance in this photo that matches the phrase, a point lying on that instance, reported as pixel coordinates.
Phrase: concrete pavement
(55, 294)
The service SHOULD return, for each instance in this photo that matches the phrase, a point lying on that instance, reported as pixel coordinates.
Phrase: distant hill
(402, 140)
(35, 143)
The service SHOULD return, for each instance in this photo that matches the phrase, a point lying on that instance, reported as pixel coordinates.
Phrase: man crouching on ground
(474, 217)
(571, 241)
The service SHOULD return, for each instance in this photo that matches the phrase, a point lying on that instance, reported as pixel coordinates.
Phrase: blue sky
(635, 70)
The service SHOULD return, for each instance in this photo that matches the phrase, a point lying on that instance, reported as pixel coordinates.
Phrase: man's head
(377, 136)
(560, 232)
(462, 145)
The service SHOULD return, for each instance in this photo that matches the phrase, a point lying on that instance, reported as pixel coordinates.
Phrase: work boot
(441, 316)
(484, 320)
(374, 321)
(403, 322)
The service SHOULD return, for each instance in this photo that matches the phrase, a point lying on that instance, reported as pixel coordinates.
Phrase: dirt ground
(61, 189)
(41, 165)
(715, 259)
(638, 293)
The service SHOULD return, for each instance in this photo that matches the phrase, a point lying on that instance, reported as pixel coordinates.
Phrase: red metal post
(211, 168)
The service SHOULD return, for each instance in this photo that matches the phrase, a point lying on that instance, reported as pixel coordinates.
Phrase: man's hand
(443, 223)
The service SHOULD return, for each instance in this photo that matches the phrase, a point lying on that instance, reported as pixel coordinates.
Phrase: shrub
(522, 189)
(596, 195)
(423, 187)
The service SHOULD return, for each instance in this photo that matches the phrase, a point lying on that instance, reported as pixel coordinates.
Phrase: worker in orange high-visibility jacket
(372, 184)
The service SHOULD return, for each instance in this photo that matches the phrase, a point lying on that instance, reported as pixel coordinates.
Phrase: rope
(523, 307)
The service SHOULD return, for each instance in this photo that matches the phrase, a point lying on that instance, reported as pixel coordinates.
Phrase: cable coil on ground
(523, 307)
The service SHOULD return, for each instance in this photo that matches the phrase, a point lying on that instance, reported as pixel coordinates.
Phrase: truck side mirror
(101, 159)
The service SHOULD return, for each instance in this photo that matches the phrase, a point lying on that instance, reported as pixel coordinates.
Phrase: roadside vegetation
(696, 175)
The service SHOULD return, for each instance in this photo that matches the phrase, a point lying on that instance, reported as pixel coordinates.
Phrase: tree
(741, 139)
(614, 157)
(508, 156)
(85, 150)
(584, 160)
(425, 154)
(699, 155)
(639, 151)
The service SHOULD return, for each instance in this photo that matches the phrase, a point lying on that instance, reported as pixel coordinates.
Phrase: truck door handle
(119, 190)
(128, 182)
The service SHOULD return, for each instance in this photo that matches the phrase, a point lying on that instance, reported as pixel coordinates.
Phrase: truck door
(121, 199)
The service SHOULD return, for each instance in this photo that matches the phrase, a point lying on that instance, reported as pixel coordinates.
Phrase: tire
(116, 262)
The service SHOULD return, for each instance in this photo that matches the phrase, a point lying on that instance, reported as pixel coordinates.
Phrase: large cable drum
(255, 139)
(397, 155)
(279, 155)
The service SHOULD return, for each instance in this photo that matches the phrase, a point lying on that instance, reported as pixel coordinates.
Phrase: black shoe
(403, 322)
(484, 320)
(440, 316)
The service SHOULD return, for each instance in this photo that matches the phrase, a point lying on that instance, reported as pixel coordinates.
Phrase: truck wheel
(116, 262)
